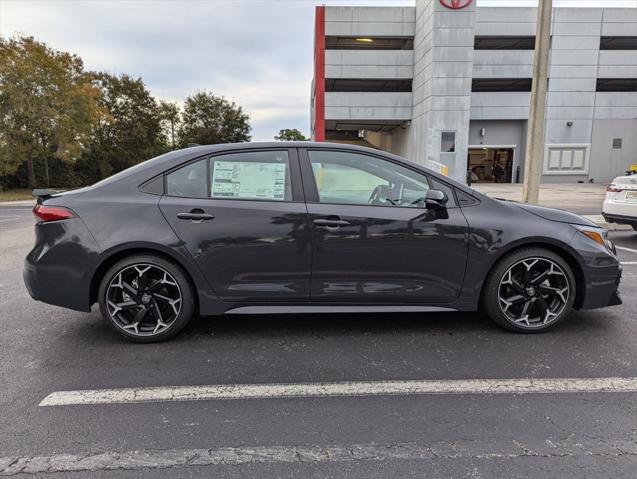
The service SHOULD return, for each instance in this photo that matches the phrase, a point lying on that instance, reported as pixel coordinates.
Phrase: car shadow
(448, 323)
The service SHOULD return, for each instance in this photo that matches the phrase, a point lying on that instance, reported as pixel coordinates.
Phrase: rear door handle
(330, 223)
(195, 215)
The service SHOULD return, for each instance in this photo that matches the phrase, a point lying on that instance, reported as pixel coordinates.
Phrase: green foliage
(64, 127)
(47, 105)
(170, 116)
(129, 132)
(209, 119)
(288, 134)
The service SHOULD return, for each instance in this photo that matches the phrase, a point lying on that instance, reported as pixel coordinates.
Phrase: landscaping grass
(16, 194)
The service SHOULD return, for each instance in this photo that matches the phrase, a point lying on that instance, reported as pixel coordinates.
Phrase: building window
(617, 84)
(504, 43)
(617, 143)
(364, 85)
(501, 84)
(618, 43)
(566, 160)
(448, 142)
(369, 43)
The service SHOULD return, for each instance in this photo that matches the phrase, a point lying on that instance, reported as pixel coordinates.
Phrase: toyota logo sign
(455, 4)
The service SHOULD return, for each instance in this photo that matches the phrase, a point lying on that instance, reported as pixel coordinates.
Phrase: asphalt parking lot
(44, 349)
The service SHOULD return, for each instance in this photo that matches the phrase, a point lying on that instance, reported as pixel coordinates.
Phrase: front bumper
(601, 274)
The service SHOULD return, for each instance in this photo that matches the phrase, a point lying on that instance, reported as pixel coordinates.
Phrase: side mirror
(436, 200)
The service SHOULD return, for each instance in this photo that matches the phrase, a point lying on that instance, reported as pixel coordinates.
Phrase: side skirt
(300, 309)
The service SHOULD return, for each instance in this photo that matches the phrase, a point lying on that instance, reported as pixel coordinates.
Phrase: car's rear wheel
(529, 291)
(146, 298)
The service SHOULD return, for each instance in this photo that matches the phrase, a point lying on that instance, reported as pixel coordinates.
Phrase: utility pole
(535, 133)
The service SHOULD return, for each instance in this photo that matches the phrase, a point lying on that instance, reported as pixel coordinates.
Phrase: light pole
(535, 133)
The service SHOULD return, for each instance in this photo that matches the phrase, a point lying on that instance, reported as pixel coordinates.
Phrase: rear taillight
(614, 189)
(52, 213)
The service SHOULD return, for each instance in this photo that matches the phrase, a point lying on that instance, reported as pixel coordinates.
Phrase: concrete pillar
(443, 64)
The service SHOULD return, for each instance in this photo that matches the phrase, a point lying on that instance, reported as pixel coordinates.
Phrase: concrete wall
(443, 64)
(369, 21)
(606, 162)
(374, 64)
(367, 106)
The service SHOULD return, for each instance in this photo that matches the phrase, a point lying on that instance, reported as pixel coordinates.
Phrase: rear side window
(258, 175)
(189, 181)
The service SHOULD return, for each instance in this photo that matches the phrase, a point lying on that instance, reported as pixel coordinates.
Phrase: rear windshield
(130, 170)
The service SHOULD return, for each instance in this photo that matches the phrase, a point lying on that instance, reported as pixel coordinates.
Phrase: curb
(18, 203)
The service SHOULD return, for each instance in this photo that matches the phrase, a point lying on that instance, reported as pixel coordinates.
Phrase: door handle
(330, 223)
(195, 215)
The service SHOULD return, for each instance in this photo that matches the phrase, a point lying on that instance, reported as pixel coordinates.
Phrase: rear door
(373, 239)
(242, 217)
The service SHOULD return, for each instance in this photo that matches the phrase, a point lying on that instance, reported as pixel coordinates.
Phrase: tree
(47, 105)
(170, 118)
(129, 132)
(290, 135)
(209, 119)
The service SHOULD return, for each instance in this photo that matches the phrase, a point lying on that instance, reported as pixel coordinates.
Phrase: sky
(257, 53)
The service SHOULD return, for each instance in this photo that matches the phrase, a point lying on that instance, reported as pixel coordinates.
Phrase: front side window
(351, 178)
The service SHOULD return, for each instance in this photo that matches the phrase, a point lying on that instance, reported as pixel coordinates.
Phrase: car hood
(553, 214)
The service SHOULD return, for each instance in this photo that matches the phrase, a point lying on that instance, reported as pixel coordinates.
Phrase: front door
(373, 239)
(242, 217)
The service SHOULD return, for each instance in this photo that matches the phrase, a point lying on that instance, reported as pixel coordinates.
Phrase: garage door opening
(491, 165)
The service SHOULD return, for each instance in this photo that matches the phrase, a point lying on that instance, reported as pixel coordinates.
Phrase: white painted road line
(368, 388)
(459, 449)
(629, 263)
(623, 248)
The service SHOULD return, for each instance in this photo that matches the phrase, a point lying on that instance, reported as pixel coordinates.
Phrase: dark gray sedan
(308, 227)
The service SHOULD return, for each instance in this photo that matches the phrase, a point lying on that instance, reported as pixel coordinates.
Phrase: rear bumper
(56, 271)
(620, 219)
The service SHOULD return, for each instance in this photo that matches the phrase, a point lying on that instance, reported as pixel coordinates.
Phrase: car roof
(148, 169)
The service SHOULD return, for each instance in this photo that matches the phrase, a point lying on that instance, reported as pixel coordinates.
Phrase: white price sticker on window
(250, 180)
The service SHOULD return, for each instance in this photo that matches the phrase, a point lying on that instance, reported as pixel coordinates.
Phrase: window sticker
(243, 179)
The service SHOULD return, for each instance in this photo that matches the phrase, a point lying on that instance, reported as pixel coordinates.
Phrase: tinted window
(356, 85)
(618, 43)
(617, 84)
(350, 178)
(259, 175)
(448, 142)
(504, 43)
(369, 43)
(501, 84)
(189, 181)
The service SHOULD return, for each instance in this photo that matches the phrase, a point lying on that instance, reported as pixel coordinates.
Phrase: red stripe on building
(319, 74)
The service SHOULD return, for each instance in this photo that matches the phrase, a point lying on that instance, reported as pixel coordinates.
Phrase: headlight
(599, 235)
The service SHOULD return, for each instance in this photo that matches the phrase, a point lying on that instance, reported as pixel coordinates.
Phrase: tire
(634, 227)
(546, 287)
(160, 310)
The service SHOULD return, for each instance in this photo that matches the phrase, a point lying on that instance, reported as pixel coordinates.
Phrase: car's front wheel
(146, 298)
(529, 290)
